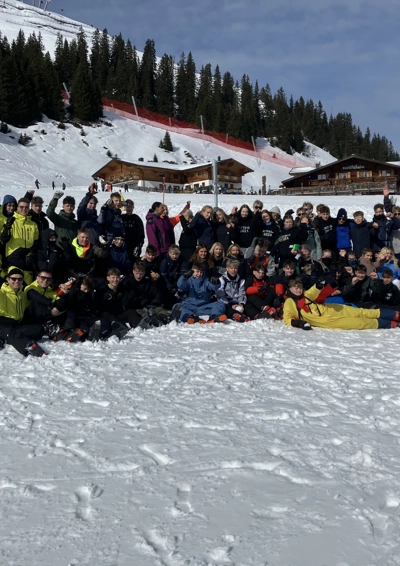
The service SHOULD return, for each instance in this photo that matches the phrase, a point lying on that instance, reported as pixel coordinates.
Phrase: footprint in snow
(183, 496)
(84, 494)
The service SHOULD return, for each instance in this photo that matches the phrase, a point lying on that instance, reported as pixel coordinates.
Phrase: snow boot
(154, 320)
(119, 329)
(33, 349)
(75, 335)
(176, 312)
(193, 319)
(144, 323)
(94, 331)
(217, 318)
(240, 317)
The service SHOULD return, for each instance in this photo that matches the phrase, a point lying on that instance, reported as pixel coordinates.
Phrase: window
(364, 174)
(342, 176)
(386, 173)
(176, 176)
(322, 177)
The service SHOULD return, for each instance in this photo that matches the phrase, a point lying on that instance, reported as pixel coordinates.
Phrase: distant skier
(63, 187)
(37, 184)
(53, 185)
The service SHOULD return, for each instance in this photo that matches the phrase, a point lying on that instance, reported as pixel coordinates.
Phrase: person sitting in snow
(200, 291)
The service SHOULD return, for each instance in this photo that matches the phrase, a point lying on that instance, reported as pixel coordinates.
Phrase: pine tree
(85, 95)
(165, 86)
(167, 142)
(147, 76)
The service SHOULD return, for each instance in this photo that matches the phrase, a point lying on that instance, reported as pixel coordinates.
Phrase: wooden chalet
(187, 178)
(350, 175)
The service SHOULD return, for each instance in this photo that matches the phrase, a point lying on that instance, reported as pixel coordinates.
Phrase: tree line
(31, 83)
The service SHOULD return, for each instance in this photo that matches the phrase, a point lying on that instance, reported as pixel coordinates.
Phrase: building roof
(334, 163)
(170, 166)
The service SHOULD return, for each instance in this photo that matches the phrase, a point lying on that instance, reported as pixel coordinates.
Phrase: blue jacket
(171, 270)
(199, 291)
(388, 265)
(343, 236)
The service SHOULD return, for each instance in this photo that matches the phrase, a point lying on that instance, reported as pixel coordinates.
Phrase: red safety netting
(147, 117)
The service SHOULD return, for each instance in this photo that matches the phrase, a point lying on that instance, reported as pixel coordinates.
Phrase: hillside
(52, 151)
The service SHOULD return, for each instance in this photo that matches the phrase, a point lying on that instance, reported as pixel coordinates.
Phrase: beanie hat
(342, 213)
(15, 271)
(275, 209)
(118, 232)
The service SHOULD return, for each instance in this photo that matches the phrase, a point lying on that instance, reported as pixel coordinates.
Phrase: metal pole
(134, 104)
(215, 181)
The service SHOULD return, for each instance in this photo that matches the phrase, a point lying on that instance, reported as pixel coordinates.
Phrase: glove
(188, 274)
(327, 281)
(214, 280)
(137, 251)
(301, 324)
(29, 260)
(103, 240)
(277, 301)
(10, 221)
(58, 194)
(262, 288)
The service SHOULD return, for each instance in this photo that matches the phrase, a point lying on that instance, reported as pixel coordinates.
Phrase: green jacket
(65, 225)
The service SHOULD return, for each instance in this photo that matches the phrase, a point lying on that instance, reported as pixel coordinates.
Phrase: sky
(342, 53)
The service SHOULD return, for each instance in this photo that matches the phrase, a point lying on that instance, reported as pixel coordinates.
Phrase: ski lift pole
(215, 181)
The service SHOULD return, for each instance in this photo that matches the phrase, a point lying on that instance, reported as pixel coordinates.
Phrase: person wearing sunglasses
(13, 305)
(45, 305)
(20, 237)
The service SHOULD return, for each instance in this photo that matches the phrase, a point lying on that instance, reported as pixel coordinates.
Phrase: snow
(243, 444)
(231, 444)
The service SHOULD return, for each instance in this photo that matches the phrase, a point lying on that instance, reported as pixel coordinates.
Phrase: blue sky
(342, 53)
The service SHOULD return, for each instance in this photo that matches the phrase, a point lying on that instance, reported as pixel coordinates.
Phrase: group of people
(89, 276)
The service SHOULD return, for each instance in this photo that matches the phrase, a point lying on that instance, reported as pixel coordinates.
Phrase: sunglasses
(16, 278)
(257, 207)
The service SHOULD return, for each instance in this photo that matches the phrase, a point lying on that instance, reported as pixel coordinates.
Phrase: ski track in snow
(231, 444)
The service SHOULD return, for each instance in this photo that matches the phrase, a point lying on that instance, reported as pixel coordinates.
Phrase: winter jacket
(223, 234)
(388, 265)
(134, 233)
(50, 257)
(327, 232)
(232, 290)
(65, 224)
(360, 236)
(266, 259)
(143, 293)
(40, 219)
(171, 270)
(380, 237)
(282, 247)
(110, 220)
(82, 261)
(187, 240)
(200, 291)
(118, 257)
(388, 295)
(20, 242)
(343, 235)
(361, 291)
(203, 229)
(12, 303)
(88, 218)
(266, 230)
(157, 233)
(37, 294)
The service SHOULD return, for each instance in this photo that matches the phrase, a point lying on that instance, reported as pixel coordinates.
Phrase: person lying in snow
(304, 309)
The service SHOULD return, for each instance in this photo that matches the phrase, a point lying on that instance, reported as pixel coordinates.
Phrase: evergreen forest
(31, 83)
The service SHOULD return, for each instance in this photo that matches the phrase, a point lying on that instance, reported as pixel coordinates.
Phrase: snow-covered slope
(67, 156)
(49, 156)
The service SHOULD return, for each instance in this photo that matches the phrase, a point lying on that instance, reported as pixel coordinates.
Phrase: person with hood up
(110, 217)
